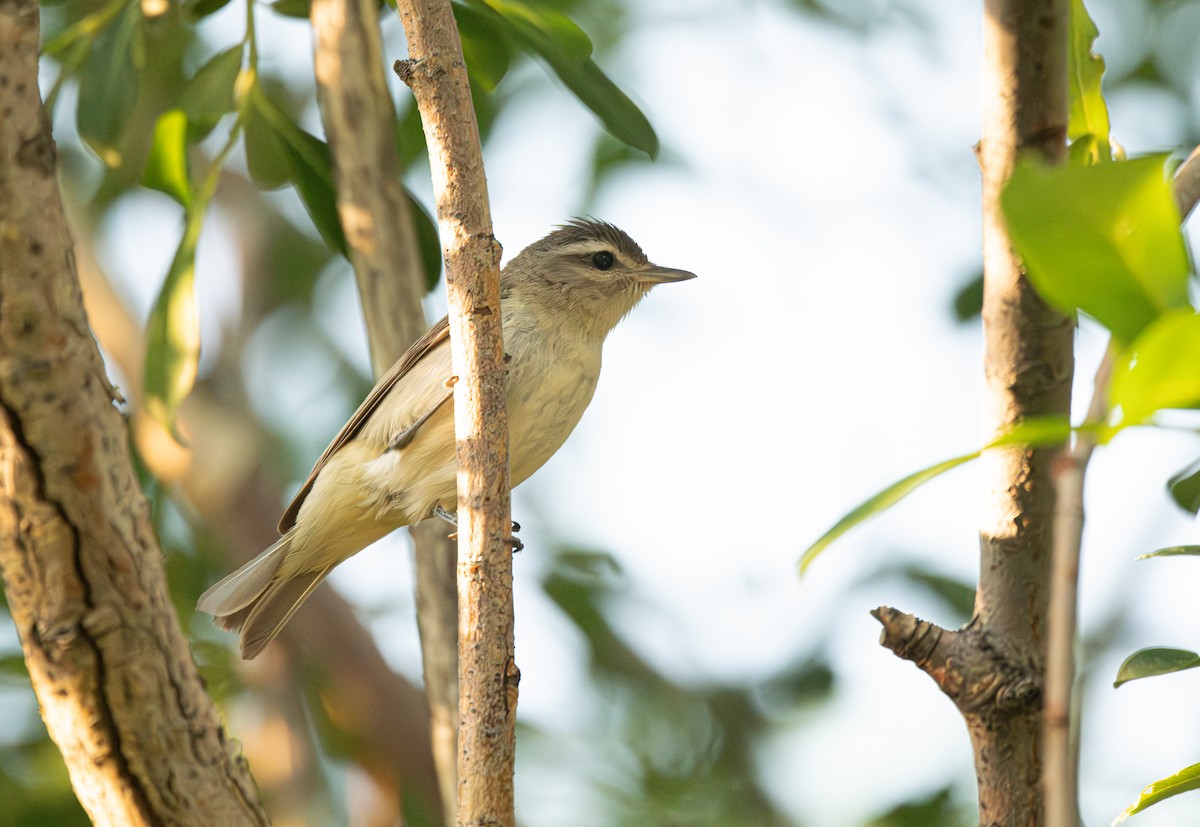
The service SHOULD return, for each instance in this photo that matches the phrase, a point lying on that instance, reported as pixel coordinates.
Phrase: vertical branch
(437, 622)
(1060, 767)
(1028, 365)
(487, 669)
(357, 112)
(81, 566)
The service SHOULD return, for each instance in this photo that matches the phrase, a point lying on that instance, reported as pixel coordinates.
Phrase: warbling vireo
(393, 463)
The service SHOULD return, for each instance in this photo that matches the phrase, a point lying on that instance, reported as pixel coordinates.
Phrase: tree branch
(357, 112)
(972, 674)
(383, 713)
(1029, 364)
(359, 120)
(993, 668)
(82, 568)
(487, 669)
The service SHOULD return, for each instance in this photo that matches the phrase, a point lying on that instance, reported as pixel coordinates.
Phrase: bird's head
(590, 272)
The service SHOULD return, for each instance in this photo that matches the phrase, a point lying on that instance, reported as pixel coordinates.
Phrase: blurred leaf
(561, 33)
(208, 95)
(167, 167)
(12, 668)
(1159, 370)
(1183, 781)
(1185, 488)
(567, 50)
(810, 683)
(937, 808)
(1173, 551)
(428, 240)
(173, 333)
(1087, 126)
(291, 260)
(264, 157)
(199, 9)
(586, 566)
(956, 594)
(410, 136)
(1147, 663)
(292, 8)
(485, 50)
(309, 168)
(1101, 239)
(108, 87)
(1034, 432)
(968, 300)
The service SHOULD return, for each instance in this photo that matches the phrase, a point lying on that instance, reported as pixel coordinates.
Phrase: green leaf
(264, 156)
(1101, 239)
(958, 595)
(879, 503)
(292, 8)
(1147, 663)
(173, 333)
(199, 9)
(208, 95)
(485, 50)
(167, 166)
(108, 88)
(1183, 781)
(309, 167)
(1036, 431)
(1173, 551)
(567, 50)
(1159, 370)
(428, 240)
(968, 300)
(1087, 125)
(1185, 488)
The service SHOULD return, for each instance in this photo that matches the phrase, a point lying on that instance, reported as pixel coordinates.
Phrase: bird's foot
(452, 518)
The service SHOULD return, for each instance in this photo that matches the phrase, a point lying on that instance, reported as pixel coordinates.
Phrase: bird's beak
(663, 275)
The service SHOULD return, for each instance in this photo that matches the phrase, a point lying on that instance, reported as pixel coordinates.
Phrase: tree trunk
(81, 565)
(1028, 365)
(993, 668)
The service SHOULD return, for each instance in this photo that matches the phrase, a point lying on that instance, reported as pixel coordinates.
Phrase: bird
(393, 463)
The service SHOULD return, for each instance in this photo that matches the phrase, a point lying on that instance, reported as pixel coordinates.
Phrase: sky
(823, 187)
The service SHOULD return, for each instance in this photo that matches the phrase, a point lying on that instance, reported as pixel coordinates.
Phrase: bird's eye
(602, 260)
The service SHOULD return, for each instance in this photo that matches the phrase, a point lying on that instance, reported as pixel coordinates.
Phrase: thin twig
(1060, 765)
(487, 670)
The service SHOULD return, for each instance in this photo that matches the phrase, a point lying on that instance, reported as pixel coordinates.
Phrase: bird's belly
(544, 406)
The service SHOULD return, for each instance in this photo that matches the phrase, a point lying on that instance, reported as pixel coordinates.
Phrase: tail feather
(238, 590)
(275, 608)
(255, 601)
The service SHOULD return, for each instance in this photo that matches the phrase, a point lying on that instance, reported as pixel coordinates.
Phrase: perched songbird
(393, 463)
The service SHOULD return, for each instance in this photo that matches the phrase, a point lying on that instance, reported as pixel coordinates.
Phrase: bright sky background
(824, 188)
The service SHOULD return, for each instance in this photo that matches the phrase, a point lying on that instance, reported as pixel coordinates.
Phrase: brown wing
(432, 338)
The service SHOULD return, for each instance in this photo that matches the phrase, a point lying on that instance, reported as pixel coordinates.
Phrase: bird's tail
(257, 603)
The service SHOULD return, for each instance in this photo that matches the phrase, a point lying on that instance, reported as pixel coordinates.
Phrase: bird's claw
(452, 518)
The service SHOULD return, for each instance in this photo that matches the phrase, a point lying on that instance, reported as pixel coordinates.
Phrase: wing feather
(419, 349)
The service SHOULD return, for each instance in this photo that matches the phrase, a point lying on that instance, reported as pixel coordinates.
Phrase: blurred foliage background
(282, 365)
